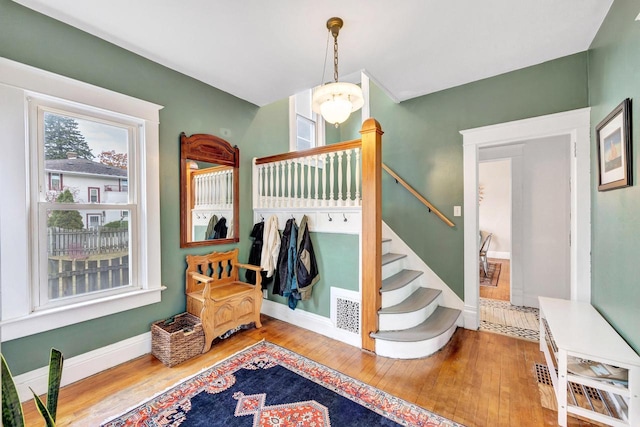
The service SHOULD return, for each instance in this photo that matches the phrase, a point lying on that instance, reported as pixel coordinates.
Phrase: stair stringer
(429, 278)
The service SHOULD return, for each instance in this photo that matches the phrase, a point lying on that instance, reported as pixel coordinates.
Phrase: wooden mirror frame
(211, 149)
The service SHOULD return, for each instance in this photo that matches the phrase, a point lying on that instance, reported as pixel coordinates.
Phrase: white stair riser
(386, 246)
(392, 268)
(413, 350)
(396, 296)
(395, 322)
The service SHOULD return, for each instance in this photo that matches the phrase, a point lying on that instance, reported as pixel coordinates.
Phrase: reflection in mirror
(209, 191)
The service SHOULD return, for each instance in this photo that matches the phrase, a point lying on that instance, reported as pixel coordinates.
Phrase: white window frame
(20, 316)
(305, 111)
(97, 192)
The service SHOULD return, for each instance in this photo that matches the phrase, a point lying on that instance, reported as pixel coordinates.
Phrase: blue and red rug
(267, 385)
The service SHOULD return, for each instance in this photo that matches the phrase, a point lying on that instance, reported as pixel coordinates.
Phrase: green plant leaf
(55, 376)
(12, 415)
(42, 408)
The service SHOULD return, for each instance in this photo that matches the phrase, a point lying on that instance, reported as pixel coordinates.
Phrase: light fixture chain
(335, 58)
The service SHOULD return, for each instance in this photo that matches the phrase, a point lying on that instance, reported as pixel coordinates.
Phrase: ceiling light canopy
(336, 101)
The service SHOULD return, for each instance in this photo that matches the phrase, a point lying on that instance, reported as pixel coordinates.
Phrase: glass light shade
(336, 101)
(336, 110)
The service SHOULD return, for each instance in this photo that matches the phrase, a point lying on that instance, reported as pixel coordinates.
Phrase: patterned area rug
(503, 318)
(267, 385)
(493, 274)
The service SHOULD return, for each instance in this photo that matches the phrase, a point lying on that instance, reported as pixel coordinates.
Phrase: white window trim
(293, 127)
(22, 320)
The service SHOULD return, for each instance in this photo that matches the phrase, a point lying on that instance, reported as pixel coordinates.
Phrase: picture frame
(613, 144)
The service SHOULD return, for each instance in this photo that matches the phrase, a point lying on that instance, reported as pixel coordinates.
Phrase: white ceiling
(263, 51)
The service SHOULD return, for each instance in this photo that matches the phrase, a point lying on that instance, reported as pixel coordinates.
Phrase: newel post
(371, 229)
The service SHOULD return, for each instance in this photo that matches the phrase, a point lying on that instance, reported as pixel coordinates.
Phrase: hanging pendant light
(336, 101)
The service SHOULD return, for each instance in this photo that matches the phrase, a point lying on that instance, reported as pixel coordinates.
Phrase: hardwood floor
(478, 379)
(502, 291)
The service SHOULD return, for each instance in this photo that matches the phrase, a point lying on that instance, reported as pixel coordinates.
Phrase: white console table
(575, 329)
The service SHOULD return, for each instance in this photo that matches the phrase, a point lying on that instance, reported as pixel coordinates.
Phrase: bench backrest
(220, 266)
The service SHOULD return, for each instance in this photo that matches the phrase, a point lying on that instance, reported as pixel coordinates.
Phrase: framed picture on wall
(613, 139)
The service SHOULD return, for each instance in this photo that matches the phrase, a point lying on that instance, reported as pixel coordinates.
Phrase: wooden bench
(217, 296)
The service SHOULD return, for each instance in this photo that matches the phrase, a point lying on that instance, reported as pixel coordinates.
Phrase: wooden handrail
(346, 145)
(418, 196)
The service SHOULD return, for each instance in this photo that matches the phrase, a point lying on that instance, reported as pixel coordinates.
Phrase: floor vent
(348, 315)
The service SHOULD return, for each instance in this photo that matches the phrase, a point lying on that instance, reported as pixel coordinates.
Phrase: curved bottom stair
(412, 322)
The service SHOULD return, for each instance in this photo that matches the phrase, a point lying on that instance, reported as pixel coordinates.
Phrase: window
(306, 128)
(93, 221)
(78, 259)
(55, 182)
(106, 242)
(94, 195)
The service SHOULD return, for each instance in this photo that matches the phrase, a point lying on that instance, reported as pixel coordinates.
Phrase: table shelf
(571, 330)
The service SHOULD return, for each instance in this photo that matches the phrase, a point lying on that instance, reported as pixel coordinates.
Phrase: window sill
(58, 317)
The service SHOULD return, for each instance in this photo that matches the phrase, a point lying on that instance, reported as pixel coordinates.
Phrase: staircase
(412, 323)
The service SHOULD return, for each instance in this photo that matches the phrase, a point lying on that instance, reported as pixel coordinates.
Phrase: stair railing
(326, 176)
(418, 196)
(346, 174)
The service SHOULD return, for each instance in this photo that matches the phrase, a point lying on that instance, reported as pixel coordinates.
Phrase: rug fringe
(131, 408)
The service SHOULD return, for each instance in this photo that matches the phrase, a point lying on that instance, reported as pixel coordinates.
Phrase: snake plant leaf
(55, 376)
(12, 415)
(42, 408)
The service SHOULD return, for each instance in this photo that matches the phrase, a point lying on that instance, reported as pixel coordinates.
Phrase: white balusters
(260, 197)
(295, 184)
(340, 201)
(324, 179)
(289, 197)
(357, 168)
(315, 200)
(348, 195)
(332, 201)
(320, 180)
(271, 183)
(302, 200)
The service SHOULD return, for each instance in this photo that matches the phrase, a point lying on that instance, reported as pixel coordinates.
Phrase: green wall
(614, 70)
(422, 144)
(190, 106)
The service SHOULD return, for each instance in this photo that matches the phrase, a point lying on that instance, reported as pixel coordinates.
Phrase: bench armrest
(255, 268)
(201, 277)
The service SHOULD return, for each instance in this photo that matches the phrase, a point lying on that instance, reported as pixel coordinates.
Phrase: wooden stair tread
(389, 258)
(421, 298)
(439, 322)
(399, 280)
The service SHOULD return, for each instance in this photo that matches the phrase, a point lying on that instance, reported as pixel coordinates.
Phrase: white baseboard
(310, 321)
(84, 365)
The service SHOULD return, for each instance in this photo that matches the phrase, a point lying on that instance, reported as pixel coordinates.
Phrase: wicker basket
(177, 339)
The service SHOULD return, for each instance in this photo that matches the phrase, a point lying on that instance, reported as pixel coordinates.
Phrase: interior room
(199, 153)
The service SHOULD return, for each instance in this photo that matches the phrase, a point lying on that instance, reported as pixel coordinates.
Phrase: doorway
(572, 127)
(494, 220)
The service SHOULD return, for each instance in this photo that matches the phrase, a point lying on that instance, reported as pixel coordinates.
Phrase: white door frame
(575, 124)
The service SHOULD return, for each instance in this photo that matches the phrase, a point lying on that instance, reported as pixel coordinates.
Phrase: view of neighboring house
(89, 182)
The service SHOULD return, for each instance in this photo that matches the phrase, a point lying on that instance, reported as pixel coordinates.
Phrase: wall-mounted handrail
(418, 196)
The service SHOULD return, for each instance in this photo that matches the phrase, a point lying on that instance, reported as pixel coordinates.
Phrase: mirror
(208, 191)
